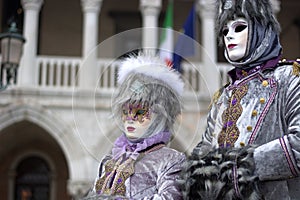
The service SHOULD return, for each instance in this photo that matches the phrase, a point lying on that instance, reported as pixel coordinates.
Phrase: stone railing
(62, 72)
(58, 71)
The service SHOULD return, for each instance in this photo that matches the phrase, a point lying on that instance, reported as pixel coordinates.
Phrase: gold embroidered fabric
(296, 68)
(230, 132)
(113, 181)
(217, 95)
(215, 98)
(117, 172)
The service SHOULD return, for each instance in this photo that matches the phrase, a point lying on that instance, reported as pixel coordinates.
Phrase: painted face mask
(235, 38)
(136, 119)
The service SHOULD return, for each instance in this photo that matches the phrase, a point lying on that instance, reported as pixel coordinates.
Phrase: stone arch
(61, 132)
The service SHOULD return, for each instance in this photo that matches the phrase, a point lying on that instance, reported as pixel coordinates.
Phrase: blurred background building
(55, 120)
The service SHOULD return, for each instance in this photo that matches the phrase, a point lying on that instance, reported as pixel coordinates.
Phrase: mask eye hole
(140, 112)
(225, 31)
(240, 28)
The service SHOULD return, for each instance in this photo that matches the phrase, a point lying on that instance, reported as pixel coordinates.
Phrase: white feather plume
(151, 66)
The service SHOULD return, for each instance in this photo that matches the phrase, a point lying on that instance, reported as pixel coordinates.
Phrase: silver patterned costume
(270, 118)
(251, 146)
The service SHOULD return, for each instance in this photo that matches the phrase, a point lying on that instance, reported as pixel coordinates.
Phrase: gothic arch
(46, 119)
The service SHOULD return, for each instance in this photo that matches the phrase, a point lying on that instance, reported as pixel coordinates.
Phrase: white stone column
(206, 11)
(28, 68)
(150, 11)
(87, 73)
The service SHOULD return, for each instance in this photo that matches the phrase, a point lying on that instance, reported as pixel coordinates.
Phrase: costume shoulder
(293, 64)
(164, 156)
(217, 95)
(168, 152)
(102, 163)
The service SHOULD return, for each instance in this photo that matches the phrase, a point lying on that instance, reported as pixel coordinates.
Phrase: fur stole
(222, 174)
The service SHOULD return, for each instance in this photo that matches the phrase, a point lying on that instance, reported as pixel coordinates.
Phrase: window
(32, 179)
(12, 11)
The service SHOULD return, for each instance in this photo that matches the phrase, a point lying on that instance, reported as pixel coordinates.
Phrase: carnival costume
(144, 167)
(251, 146)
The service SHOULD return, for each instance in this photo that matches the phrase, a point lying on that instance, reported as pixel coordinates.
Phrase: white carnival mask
(235, 34)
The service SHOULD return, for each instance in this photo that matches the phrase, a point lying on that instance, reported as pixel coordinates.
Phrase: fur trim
(222, 174)
(153, 67)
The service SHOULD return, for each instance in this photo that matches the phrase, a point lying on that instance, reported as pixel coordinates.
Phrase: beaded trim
(265, 110)
(230, 131)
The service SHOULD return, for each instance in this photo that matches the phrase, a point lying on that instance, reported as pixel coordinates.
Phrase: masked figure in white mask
(251, 146)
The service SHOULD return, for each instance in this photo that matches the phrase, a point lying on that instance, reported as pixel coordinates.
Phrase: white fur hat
(151, 66)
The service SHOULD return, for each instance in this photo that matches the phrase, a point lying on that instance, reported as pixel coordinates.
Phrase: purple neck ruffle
(123, 146)
(238, 74)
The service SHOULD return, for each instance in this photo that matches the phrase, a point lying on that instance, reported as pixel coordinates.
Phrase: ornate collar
(238, 74)
(124, 146)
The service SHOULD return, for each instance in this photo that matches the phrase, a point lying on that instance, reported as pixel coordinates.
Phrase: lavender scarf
(123, 146)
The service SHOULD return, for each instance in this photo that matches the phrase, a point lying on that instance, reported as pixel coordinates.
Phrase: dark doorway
(32, 179)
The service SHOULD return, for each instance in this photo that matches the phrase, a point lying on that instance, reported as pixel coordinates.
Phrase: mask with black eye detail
(235, 38)
(237, 28)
